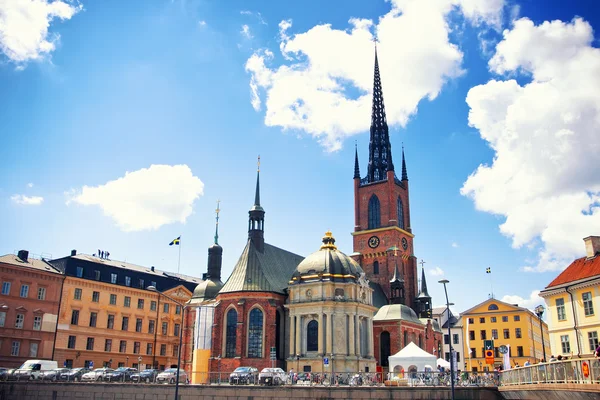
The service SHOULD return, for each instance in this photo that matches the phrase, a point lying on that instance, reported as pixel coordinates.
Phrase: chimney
(152, 268)
(73, 253)
(23, 255)
(592, 246)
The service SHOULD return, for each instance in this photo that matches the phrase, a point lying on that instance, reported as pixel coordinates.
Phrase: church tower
(382, 237)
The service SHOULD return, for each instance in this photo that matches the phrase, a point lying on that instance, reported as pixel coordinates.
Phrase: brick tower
(382, 233)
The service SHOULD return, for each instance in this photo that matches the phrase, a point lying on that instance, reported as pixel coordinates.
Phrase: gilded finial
(258, 164)
(328, 241)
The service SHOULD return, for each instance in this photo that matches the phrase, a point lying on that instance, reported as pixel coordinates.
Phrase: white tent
(443, 363)
(410, 358)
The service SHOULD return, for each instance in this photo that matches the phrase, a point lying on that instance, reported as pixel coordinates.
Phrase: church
(282, 309)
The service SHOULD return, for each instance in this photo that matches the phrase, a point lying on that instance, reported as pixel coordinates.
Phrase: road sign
(489, 356)
(503, 349)
(488, 344)
(91, 365)
(326, 361)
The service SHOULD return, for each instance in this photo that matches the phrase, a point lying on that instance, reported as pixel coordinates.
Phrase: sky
(123, 123)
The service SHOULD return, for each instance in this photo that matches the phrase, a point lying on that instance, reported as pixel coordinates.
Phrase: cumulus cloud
(30, 185)
(145, 199)
(246, 32)
(27, 200)
(455, 245)
(324, 86)
(533, 301)
(437, 271)
(543, 178)
(202, 23)
(24, 27)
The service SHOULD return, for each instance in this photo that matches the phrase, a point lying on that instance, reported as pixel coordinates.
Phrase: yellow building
(506, 324)
(572, 301)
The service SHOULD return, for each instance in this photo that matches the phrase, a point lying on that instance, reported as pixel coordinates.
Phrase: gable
(492, 306)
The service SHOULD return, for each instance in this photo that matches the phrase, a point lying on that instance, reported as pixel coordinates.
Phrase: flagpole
(179, 258)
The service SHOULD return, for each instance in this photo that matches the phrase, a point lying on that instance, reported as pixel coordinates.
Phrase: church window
(312, 336)
(374, 212)
(400, 214)
(376, 174)
(405, 338)
(255, 334)
(230, 333)
(385, 350)
(376, 268)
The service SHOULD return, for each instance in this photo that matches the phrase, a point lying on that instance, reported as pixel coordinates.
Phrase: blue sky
(122, 124)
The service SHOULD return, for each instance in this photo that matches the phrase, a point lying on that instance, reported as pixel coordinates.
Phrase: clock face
(404, 243)
(373, 242)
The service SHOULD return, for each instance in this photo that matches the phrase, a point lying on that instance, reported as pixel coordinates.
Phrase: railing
(581, 371)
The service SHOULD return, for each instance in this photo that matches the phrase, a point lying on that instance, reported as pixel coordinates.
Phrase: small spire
(397, 275)
(404, 174)
(217, 223)
(356, 167)
(423, 281)
(257, 195)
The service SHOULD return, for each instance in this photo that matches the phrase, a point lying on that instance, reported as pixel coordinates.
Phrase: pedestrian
(597, 352)
(527, 363)
(292, 376)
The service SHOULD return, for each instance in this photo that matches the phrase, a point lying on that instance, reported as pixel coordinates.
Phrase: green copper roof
(269, 271)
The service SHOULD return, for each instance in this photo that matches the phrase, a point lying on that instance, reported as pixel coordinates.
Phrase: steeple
(423, 300)
(404, 174)
(380, 149)
(424, 283)
(215, 253)
(356, 168)
(256, 220)
(396, 283)
(217, 223)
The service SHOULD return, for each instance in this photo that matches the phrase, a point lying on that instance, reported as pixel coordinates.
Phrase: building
(444, 317)
(29, 303)
(108, 316)
(506, 324)
(572, 301)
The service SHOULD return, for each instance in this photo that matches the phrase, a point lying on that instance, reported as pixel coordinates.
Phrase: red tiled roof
(581, 268)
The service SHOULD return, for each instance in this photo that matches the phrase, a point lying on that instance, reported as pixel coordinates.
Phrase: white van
(31, 369)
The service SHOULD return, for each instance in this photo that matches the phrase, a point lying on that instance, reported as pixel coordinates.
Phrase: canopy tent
(411, 358)
(443, 363)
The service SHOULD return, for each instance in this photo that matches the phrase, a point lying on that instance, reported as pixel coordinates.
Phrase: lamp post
(539, 311)
(183, 307)
(444, 282)
(332, 371)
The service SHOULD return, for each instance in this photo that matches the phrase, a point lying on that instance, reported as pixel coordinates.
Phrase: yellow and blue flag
(175, 241)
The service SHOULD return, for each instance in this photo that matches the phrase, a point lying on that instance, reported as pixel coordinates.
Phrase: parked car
(31, 369)
(169, 376)
(10, 375)
(243, 376)
(3, 374)
(121, 374)
(73, 375)
(52, 375)
(272, 376)
(147, 375)
(96, 375)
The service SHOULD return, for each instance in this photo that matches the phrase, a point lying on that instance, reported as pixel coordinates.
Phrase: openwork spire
(404, 174)
(380, 149)
(217, 223)
(356, 168)
(256, 219)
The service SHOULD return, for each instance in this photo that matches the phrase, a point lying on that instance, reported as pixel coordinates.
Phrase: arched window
(400, 213)
(255, 333)
(230, 333)
(405, 338)
(312, 336)
(493, 307)
(385, 350)
(376, 268)
(374, 217)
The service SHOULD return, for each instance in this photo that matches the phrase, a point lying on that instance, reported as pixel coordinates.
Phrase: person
(552, 358)
(597, 352)
(527, 363)
(292, 376)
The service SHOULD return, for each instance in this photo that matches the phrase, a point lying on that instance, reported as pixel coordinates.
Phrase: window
(33, 349)
(79, 272)
(565, 345)
(95, 297)
(136, 347)
(176, 330)
(75, 317)
(2, 318)
(142, 284)
(446, 339)
(14, 349)
(376, 268)
(494, 333)
(97, 275)
(165, 328)
(588, 307)
(506, 334)
(177, 309)
(593, 339)
(37, 323)
(483, 334)
(93, 319)
(149, 349)
(374, 219)
(127, 281)
(166, 307)
(77, 294)
(473, 353)
(108, 345)
(6, 288)
(127, 301)
(110, 324)
(400, 210)
(153, 305)
(113, 299)
(560, 309)
(122, 346)
(90, 344)
(518, 334)
(482, 320)
(151, 326)
(19, 321)
(113, 278)
(493, 307)
(312, 336)
(338, 292)
(138, 325)
(231, 333)
(471, 335)
(163, 349)
(42, 293)
(493, 319)
(125, 324)
(71, 342)
(175, 350)
(255, 334)
(153, 284)
(496, 352)
(471, 320)
(141, 304)
(519, 351)
(505, 319)
(517, 318)
(69, 363)
(24, 290)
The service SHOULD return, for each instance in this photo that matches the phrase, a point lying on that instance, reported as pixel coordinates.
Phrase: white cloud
(455, 245)
(437, 271)
(324, 87)
(543, 178)
(30, 185)
(246, 32)
(533, 301)
(256, 14)
(145, 199)
(27, 200)
(24, 27)
(202, 23)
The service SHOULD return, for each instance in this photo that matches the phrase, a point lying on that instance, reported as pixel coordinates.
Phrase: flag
(488, 270)
(506, 358)
(175, 241)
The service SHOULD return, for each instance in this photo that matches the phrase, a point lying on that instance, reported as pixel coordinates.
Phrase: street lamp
(444, 282)
(183, 307)
(539, 311)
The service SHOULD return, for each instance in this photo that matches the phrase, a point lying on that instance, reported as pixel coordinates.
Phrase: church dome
(207, 289)
(397, 312)
(327, 264)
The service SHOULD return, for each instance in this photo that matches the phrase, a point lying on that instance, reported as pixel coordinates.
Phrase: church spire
(217, 223)
(423, 282)
(404, 174)
(356, 168)
(380, 149)
(256, 220)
